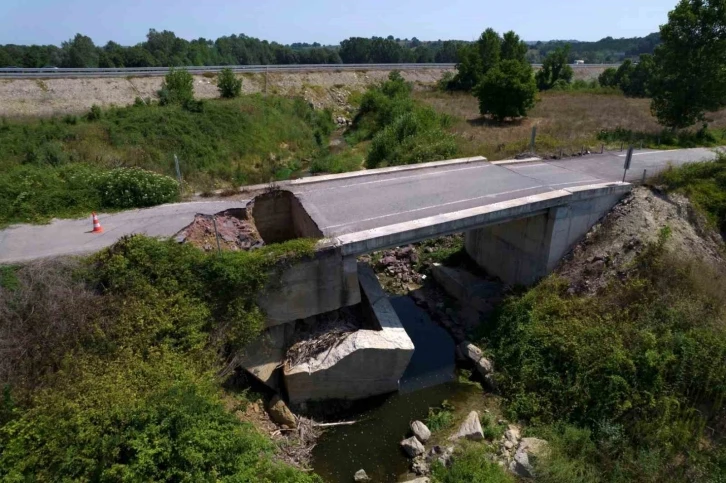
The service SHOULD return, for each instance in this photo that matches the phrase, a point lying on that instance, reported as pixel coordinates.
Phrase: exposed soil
(234, 233)
(49, 97)
(611, 245)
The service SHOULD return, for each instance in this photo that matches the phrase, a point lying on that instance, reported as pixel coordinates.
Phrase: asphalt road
(355, 203)
(347, 206)
(73, 237)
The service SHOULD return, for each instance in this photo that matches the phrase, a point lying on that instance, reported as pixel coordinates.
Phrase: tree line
(165, 49)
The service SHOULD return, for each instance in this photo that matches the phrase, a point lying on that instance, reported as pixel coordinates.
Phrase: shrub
(228, 84)
(507, 90)
(136, 188)
(95, 113)
(135, 419)
(636, 359)
(177, 88)
(445, 83)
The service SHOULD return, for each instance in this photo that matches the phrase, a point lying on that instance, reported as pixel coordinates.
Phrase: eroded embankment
(330, 89)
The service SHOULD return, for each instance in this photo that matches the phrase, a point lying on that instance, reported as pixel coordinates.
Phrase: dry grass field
(564, 120)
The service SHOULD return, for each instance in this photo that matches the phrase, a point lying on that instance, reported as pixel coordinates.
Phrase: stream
(372, 444)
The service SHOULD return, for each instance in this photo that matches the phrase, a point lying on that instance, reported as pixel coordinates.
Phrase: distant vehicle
(579, 62)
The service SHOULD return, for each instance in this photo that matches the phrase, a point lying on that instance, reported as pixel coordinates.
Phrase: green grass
(471, 465)
(633, 366)
(237, 141)
(705, 185)
(441, 417)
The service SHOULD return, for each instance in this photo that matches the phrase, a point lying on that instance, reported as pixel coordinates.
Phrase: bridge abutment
(525, 250)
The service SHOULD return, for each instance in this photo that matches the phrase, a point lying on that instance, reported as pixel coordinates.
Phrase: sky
(326, 21)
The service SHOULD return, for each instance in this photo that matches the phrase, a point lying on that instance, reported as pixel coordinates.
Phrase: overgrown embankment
(614, 358)
(63, 167)
(110, 365)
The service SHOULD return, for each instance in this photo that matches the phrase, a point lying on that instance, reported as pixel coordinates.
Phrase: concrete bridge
(519, 218)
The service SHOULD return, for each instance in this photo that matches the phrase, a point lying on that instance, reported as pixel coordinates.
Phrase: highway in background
(51, 72)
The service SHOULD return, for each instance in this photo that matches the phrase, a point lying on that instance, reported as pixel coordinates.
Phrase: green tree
(490, 50)
(514, 48)
(80, 52)
(623, 74)
(228, 84)
(689, 77)
(555, 67)
(640, 77)
(607, 78)
(177, 88)
(468, 70)
(507, 91)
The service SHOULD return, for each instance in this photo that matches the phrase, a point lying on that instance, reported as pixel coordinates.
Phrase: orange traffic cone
(97, 228)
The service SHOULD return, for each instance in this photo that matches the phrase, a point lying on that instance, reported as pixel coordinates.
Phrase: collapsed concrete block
(265, 355)
(364, 363)
(310, 287)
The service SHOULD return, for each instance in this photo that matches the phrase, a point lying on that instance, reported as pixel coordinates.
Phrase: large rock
(470, 428)
(528, 450)
(360, 476)
(412, 447)
(420, 431)
(473, 354)
(512, 434)
(280, 413)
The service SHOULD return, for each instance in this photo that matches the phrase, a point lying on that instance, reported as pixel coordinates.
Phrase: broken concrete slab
(265, 355)
(363, 364)
(326, 282)
(466, 287)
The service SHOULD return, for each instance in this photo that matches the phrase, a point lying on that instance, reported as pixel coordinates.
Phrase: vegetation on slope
(401, 130)
(110, 365)
(69, 166)
(625, 383)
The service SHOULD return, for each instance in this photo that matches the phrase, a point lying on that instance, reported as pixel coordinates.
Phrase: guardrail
(50, 72)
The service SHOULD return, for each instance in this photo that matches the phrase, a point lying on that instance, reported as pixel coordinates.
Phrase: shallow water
(372, 444)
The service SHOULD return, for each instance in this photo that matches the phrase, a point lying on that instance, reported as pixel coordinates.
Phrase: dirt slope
(611, 245)
(48, 97)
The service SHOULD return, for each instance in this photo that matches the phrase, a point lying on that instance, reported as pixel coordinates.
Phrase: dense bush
(634, 364)
(127, 390)
(402, 131)
(555, 68)
(177, 88)
(245, 140)
(34, 193)
(228, 84)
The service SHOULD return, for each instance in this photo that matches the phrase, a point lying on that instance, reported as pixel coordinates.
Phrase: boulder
(280, 413)
(412, 447)
(528, 449)
(360, 475)
(472, 353)
(470, 428)
(420, 431)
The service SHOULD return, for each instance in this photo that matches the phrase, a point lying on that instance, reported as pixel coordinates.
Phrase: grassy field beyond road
(567, 120)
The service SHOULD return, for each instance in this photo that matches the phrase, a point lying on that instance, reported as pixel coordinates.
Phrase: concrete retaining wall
(366, 363)
(279, 217)
(525, 250)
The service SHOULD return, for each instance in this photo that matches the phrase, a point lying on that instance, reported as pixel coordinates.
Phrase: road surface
(354, 202)
(351, 205)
